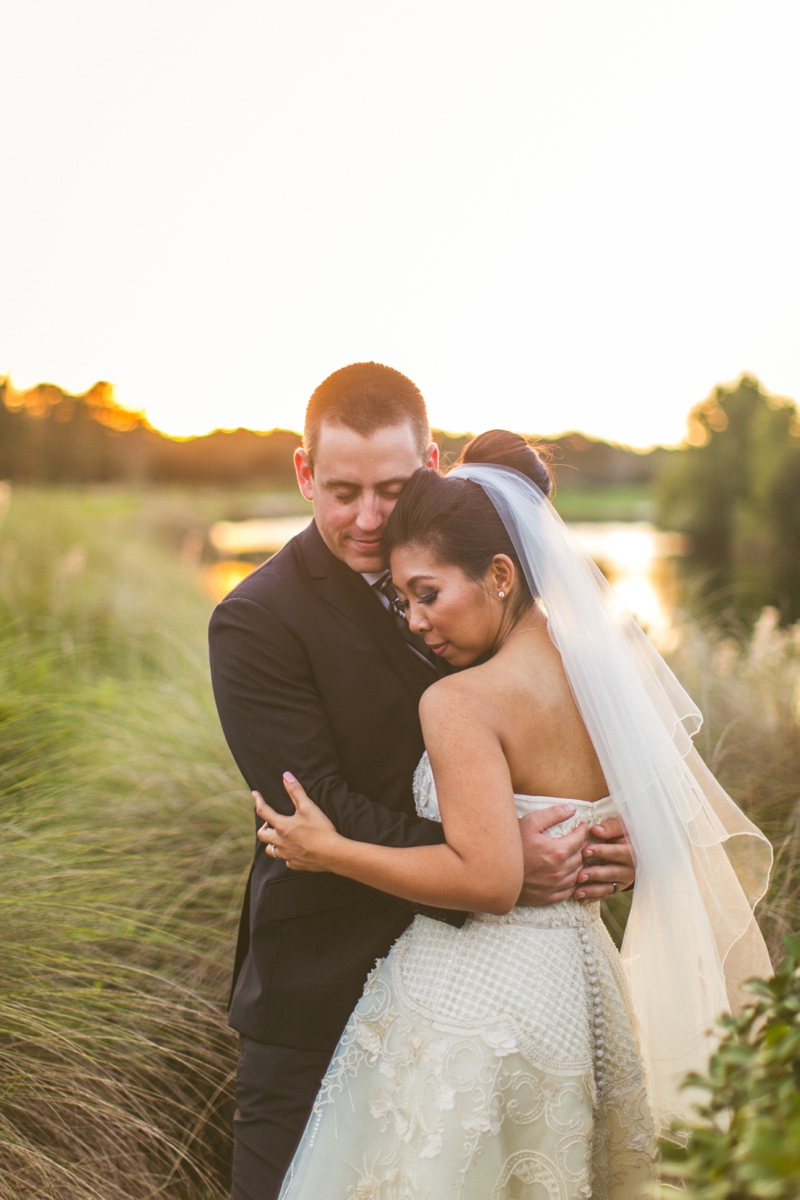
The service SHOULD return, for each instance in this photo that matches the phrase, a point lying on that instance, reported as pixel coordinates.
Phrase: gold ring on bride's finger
(615, 887)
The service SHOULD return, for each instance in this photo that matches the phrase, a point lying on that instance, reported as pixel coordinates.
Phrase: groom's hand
(552, 864)
(607, 860)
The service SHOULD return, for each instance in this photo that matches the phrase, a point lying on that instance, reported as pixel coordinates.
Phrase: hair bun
(510, 450)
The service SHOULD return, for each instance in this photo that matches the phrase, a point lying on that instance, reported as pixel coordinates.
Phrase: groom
(313, 673)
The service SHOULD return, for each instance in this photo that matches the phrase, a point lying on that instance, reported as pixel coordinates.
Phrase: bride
(521, 1057)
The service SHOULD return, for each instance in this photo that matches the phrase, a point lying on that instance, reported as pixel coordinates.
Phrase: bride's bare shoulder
(463, 694)
(499, 689)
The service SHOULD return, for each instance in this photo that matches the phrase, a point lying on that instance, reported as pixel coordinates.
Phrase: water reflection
(635, 557)
(260, 534)
(638, 561)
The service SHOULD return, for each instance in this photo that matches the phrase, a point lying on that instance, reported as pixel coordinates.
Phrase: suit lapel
(352, 596)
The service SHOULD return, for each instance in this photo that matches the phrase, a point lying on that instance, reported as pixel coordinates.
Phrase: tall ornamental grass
(747, 685)
(124, 840)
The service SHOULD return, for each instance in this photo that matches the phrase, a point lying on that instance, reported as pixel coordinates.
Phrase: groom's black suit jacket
(311, 675)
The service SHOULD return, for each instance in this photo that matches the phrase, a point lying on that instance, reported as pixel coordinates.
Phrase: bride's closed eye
(402, 606)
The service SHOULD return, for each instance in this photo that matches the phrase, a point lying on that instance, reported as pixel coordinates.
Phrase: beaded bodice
(587, 813)
(567, 912)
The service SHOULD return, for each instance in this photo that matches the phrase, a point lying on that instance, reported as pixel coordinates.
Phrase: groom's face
(355, 483)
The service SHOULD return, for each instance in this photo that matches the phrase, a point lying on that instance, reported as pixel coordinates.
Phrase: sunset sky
(551, 214)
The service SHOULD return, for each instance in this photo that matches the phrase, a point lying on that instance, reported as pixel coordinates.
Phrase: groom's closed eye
(348, 495)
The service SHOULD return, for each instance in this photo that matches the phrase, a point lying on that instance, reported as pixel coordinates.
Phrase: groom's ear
(305, 479)
(432, 457)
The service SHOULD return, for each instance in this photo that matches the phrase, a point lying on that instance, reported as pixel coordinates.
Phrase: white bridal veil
(691, 938)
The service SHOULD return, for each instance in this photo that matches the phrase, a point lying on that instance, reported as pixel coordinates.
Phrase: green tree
(735, 491)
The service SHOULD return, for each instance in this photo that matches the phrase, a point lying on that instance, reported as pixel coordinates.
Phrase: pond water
(637, 559)
(639, 562)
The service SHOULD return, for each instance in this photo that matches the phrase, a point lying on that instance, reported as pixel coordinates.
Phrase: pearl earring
(501, 595)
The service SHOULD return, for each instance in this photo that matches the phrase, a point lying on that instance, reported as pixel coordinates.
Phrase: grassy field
(125, 836)
(124, 846)
(625, 502)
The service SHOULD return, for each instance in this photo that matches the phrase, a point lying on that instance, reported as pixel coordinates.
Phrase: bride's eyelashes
(403, 605)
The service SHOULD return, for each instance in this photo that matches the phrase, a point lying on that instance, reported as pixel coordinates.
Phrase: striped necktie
(385, 586)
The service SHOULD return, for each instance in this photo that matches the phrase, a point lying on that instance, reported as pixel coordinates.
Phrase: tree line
(48, 436)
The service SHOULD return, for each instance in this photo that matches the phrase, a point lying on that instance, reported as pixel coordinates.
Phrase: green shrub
(746, 1143)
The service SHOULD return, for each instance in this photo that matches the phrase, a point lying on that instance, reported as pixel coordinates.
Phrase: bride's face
(460, 618)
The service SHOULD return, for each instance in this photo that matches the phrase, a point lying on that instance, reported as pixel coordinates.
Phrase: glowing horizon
(544, 435)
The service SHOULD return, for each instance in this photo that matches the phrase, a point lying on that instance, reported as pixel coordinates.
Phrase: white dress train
(493, 1062)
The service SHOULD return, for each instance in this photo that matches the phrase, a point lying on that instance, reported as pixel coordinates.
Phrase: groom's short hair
(366, 397)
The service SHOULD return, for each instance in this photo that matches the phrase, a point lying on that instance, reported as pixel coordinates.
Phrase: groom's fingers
(548, 817)
(610, 829)
(551, 863)
(617, 854)
(596, 882)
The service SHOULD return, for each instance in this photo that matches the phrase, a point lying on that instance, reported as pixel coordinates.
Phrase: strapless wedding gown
(493, 1062)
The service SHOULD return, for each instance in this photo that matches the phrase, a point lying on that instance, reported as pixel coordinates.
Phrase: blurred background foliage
(735, 491)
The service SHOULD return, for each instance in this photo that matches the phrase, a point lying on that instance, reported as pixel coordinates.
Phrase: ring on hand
(615, 887)
(271, 849)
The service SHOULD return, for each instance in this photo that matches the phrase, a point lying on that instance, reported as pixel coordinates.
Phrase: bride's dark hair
(456, 519)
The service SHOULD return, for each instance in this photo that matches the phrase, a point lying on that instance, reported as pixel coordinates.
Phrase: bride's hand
(303, 841)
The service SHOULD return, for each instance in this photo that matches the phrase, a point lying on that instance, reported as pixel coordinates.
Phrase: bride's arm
(481, 866)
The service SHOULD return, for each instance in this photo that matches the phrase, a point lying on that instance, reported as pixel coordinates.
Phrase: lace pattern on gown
(493, 1062)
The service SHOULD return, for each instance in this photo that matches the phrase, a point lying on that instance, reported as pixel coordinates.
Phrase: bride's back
(526, 699)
